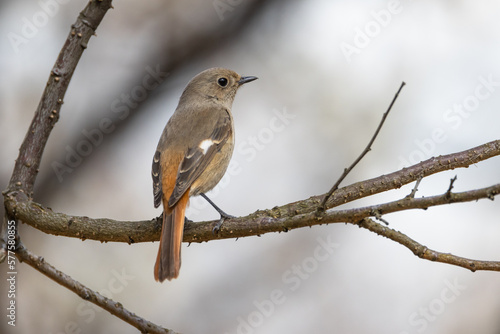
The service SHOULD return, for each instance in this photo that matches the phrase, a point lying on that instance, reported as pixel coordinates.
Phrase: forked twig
(450, 187)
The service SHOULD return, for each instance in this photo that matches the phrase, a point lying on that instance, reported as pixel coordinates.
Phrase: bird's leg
(223, 215)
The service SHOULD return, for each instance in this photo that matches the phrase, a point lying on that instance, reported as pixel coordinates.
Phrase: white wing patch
(205, 145)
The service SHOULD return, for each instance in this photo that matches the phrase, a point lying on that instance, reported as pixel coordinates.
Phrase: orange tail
(168, 260)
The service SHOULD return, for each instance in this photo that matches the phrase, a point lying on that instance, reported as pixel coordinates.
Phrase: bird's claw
(217, 226)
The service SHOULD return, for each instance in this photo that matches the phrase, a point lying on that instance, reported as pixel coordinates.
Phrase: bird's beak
(244, 80)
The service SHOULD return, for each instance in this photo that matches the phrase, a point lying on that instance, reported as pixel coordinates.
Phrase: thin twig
(87, 294)
(322, 207)
(378, 216)
(426, 253)
(415, 188)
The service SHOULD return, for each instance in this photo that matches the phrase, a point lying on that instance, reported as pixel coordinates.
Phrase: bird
(192, 155)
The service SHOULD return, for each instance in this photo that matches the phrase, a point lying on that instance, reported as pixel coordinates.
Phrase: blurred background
(327, 71)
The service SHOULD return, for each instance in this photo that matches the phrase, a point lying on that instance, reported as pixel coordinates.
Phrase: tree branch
(290, 216)
(20, 207)
(47, 112)
(425, 253)
(30, 155)
(407, 175)
(39, 263)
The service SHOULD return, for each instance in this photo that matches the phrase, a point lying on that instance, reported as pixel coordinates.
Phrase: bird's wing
(156, 174)
(199, 156)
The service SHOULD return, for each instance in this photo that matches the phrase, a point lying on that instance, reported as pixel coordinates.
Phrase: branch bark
(47, 112)
(293, 215)
(425, 253)
(87, 294)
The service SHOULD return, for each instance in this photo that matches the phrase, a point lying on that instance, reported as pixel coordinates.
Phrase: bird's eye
(222, 82)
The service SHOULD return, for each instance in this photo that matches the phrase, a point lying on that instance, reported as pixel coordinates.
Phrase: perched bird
(192, 156)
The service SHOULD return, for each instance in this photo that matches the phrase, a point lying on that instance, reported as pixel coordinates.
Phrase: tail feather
(168, 260)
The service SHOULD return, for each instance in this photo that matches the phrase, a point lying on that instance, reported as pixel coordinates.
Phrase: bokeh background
(327, 71)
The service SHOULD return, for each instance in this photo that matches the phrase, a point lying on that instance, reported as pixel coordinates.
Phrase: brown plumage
(192, 156)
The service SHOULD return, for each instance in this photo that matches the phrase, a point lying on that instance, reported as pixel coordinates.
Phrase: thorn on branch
(448, 192)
